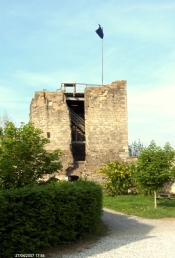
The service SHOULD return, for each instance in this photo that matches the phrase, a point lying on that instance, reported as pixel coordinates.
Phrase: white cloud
(151, 115)
(159, 97)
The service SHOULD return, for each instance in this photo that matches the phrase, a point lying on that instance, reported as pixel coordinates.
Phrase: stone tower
(90, 127)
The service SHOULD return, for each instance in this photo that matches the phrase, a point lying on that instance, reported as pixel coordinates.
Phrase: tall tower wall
(49, 112)
(105, 138)
(106, 124)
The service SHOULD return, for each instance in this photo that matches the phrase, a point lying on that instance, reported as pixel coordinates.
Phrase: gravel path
(131, 236)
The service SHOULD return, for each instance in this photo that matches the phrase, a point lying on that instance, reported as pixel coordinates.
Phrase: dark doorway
(76, 109)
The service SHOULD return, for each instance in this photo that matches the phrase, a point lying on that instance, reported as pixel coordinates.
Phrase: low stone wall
(169, 188)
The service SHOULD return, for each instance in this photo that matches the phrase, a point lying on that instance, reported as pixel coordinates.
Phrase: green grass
(142, 206)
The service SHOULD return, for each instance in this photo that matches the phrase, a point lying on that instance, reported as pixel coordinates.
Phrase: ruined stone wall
(106, 124)
(49, 112)
(106, 128)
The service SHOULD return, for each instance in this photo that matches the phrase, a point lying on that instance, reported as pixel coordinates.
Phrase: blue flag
(99, 31)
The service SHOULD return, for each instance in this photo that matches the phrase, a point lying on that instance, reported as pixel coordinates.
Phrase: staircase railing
(77, 120)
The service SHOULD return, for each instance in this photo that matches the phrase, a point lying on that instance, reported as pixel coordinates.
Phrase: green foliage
(118, 177)
(34, 218)
(155, 167)
(23, 157)
(139, 205)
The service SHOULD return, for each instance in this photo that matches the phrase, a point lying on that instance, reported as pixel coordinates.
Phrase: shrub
(33, 218)
(118, 177)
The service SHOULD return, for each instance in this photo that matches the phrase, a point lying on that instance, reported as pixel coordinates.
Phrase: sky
(44, 43)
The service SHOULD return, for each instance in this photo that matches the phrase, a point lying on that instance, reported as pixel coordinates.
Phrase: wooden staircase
(77, 120)
(78, 136)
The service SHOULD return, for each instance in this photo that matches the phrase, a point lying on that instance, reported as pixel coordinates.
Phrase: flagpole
(102, 61)
(100, 33)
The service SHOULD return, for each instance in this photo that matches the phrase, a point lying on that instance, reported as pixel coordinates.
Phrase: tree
(3, 119)
(23, 157)
(155, 167)
(135, 148)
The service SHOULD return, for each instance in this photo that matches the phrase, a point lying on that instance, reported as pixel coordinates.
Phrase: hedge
(33, 218)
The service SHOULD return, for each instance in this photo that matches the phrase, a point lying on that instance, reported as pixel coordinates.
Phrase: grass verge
(142, 206)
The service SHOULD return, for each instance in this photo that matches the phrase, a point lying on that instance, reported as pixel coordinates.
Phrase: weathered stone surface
(49, 111)
(106, 123)
(106, 129)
